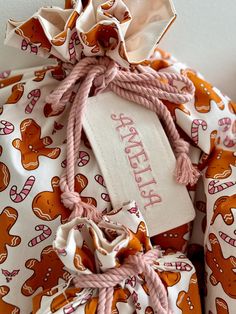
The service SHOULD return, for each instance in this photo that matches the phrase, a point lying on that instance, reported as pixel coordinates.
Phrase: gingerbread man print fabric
(33, 157)
(82, 245)
(33, 147)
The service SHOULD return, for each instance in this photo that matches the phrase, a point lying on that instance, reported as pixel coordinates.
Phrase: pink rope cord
(146, 88)
(133, 266)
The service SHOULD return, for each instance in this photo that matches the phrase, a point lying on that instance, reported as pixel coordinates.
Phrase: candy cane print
(73, 41)
(34, 95)
(63, 164)
(69, 309)
(225, 123)
(227, 238)
(25, 45)
(105, 197)
(195, 128)
(213, 188)
(7, 128)
(100, 180)
(179, 266)
(229, 142)
(83, 159)
(46, 232)
(20, 197)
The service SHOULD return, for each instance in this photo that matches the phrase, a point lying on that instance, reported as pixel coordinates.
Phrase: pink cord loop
(143, 86)
(133, 266)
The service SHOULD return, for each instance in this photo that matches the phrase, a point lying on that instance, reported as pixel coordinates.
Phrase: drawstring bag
(61, 164)
(118, 261)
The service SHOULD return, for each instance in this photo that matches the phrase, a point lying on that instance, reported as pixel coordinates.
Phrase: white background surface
(203, 36)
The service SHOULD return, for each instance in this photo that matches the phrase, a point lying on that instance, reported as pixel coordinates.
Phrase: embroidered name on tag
(136, 161)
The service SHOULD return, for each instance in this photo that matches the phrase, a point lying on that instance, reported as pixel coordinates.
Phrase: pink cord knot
(133, 265)
(70, 199)
(103, 80)
(146, 88)
(181, 147)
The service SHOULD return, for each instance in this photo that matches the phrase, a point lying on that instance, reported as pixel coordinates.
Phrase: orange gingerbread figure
(222, 269)
(220, 164)
(232, 106)
(60, 301)
(172, 239)
(8, 218)
(4, 306)
(223, 206)
(33, 32)
(46, 272)
(4, 174)
(169, 278)
(205, 93)
(139, 241)
(47, 205)
(60, 39)
(84, 258)
(57, 72)
(172, 107)
(221, 306)
(17, 93)
(69, 4)
(10, 80)
(189, 301)
(32, 146)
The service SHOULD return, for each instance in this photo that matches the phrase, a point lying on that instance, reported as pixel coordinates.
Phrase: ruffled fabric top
(127, 31)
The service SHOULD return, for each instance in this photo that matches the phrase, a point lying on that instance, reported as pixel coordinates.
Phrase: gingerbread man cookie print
(32, 146)
(46, 272)
(222, 269)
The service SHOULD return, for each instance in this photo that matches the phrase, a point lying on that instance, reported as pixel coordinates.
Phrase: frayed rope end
(185, 172)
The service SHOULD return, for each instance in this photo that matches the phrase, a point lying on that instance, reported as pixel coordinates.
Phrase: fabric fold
(125, 32)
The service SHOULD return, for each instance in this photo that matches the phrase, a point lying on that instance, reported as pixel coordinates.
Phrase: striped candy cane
(69, 309)
(179, 266)
(34, 95)
(25, 45)
(225, 124)
(73, 41)
(100, 180)
(195, 128)
(7, 128)
(227, 238)
(20, 197)
(213, 188)
(83, 159)
(46, 232)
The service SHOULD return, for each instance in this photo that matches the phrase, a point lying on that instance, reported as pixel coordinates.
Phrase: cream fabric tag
(136, 161)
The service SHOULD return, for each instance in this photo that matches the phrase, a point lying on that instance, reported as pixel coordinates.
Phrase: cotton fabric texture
(32, 158)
